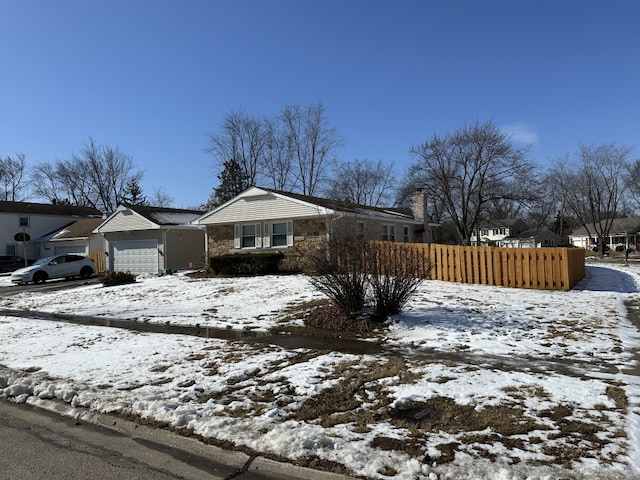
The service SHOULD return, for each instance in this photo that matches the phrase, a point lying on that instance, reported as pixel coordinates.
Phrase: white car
(60, 266)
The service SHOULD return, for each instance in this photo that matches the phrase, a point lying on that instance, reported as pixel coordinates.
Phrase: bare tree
(594, 187)
(98, 176)
(12, 177)
(363, 182)
(469, 169)
(313, 143)
(277, 160)
(632, 182)
(241, 138)
(160, 198)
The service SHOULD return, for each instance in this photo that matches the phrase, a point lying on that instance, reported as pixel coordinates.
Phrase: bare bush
(397, 271)
(354, 273)
(338, 270)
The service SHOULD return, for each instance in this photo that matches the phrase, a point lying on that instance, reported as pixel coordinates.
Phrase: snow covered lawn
(475, 382)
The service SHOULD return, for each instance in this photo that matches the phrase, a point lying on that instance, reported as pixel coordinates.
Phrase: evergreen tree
(133, 193)
(233, 181)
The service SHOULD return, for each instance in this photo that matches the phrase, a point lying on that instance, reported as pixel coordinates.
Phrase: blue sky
(154, 77)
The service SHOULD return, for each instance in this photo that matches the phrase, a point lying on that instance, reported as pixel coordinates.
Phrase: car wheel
(39, 277)
(86, 272)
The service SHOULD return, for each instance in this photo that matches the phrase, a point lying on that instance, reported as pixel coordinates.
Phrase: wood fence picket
(555, 268)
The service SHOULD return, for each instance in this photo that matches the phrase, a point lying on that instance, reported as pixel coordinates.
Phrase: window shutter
(237, 236)
(258, 236)
(289, 233)
(266, 238)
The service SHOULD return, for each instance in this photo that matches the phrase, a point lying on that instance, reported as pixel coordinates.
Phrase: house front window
(279, 234)
(360, 229)
(406, 237)
(24, 221)
(389, 233)
(248, 239)
(263, 235)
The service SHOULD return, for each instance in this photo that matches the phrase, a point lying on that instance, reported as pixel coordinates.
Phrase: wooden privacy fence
(555, 268)
(98, 260)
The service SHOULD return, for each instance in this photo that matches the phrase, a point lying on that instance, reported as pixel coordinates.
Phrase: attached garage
(149, 240)
(136, 256)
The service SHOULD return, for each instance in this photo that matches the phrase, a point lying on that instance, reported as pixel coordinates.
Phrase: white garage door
(135, 256)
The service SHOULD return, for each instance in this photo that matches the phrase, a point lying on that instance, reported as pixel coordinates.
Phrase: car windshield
(43, 261)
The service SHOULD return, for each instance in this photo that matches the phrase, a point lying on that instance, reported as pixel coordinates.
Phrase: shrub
(246, 264)
(397, 271)
(352, 272)
(109, 279)
(337, 269)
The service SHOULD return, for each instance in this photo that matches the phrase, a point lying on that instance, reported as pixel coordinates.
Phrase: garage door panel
(135, 256)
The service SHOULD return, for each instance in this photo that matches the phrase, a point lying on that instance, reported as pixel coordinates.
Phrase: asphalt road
(40, 445)
(48, 286)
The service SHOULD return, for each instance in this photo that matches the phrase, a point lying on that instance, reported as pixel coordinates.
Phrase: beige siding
(185, 249)
(122, 222)
(259, 208)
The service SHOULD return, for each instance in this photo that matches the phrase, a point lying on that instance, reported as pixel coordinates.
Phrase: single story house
(75, 238)
(624, 233)
(142, 239)
(531, 239)
(265, 220)
(21, 223)
(492, 231)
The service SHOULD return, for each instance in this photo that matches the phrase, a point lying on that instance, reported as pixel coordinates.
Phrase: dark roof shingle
(31, 208)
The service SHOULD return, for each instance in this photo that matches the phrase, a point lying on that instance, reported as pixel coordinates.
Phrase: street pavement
(39, 443)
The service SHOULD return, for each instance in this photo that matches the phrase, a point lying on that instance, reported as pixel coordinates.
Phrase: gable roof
(142, 217)
(619, 226)
(31, 208)
(320, 206)
(338, 205)
(163, 215)
(530, 233)
(79, 229)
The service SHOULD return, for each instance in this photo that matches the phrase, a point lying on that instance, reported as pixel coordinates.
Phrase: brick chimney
(419, 210)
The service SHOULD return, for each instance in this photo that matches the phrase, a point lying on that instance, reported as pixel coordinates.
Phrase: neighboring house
(624, 232)
(76, 237)
(141, 239)
(265, 220)
(21, 223)
(531, 239)
(493, 231)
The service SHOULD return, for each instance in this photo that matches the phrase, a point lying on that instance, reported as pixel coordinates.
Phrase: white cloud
(521, 133)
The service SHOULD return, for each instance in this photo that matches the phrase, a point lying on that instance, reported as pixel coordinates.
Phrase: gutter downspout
(164, 249)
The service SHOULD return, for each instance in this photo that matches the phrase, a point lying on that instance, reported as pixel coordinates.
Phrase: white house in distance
(492, 231)
(141, 239)
(22, 223)
(537, 238)
(266, 220)
(624, 233)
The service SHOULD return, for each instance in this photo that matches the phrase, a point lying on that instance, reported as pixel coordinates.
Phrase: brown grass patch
(443, 413)
(160, 368)
(618, 395)
(343, 403)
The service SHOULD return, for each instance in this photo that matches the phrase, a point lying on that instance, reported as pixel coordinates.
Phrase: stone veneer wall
(308, 234)
(220, 239)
